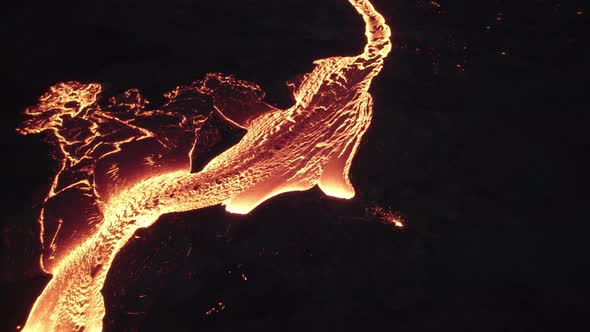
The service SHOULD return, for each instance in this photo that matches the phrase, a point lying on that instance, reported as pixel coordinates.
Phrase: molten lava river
(123, 164)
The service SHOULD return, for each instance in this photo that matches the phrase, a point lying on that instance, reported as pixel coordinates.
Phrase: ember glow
(387, 216)
(245, 152)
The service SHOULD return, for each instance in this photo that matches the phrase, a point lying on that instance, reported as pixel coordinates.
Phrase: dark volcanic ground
(477, 139)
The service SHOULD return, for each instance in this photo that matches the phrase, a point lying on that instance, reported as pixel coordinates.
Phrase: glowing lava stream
(313, 142)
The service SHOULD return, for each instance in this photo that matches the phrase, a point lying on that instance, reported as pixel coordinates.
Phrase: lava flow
(245, 152)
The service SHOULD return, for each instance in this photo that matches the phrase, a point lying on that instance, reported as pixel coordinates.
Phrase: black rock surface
(478, 138)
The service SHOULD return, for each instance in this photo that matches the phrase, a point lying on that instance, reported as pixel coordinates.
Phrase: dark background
(480, 150)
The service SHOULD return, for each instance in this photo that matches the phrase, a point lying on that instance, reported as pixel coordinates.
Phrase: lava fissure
(311, 143)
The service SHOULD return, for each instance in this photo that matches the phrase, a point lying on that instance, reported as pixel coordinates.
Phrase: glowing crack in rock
(311, 143)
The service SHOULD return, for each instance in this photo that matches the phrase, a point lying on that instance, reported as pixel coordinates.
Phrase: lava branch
(311, 143)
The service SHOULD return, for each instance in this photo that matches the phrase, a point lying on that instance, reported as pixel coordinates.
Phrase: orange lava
(311, 143)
